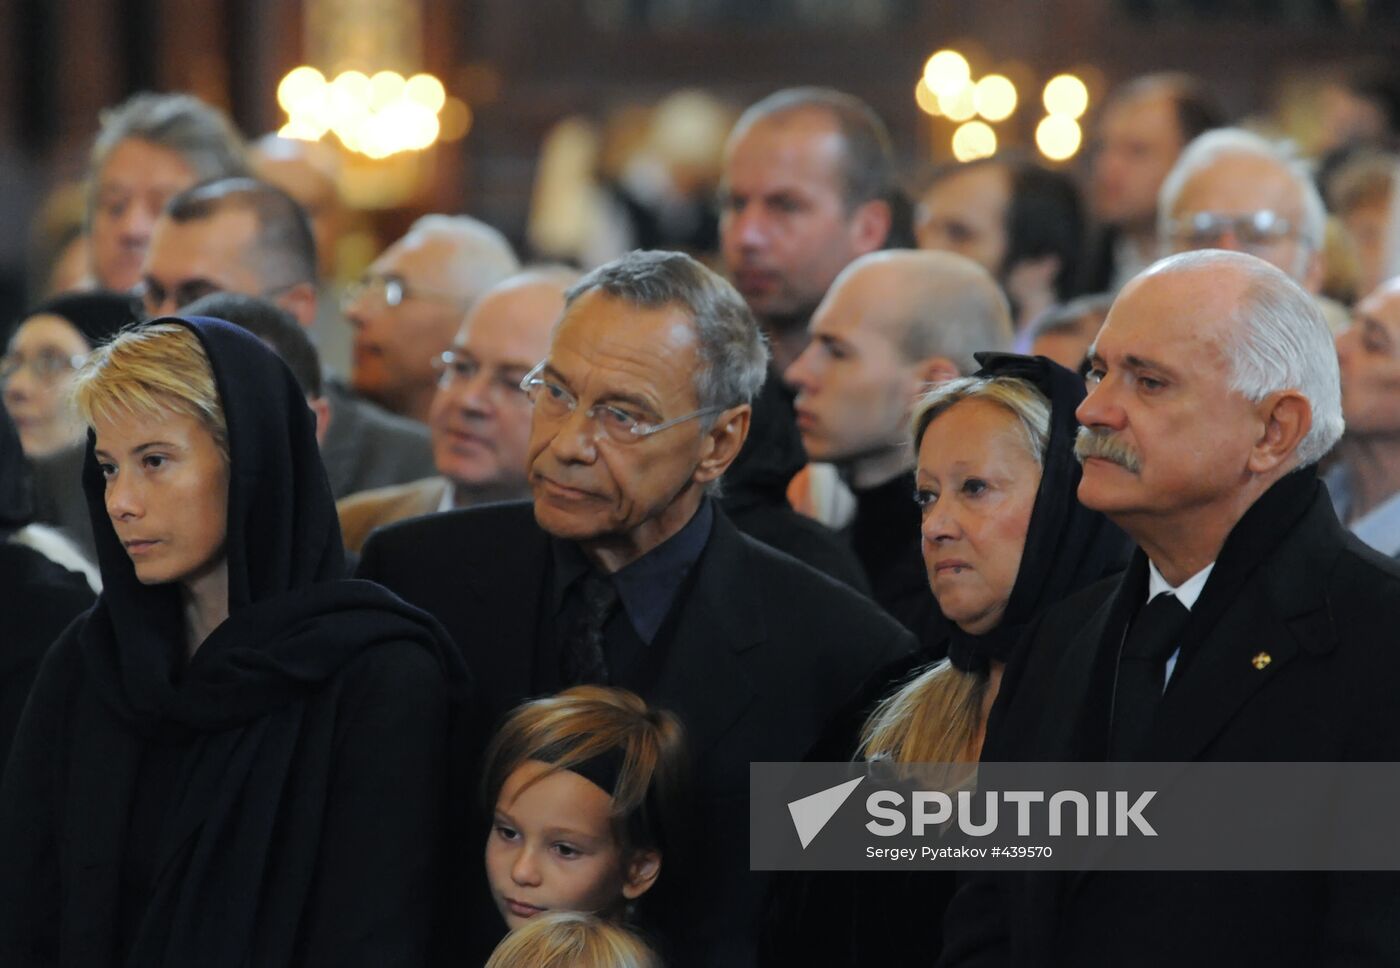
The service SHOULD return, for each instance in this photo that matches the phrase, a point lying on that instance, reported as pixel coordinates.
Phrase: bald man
(892, 324)
(411, 300)
(479, 418)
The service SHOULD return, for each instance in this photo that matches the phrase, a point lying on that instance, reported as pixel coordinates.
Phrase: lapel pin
(1261, 660)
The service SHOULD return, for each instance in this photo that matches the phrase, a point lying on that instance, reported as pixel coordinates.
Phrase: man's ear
(1286, 418)
(870, 226)
(1315, 273)
(300, 301)
(643, 867)
(723, 442)
(936, 369)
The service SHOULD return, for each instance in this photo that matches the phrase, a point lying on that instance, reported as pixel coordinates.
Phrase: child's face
(552, 847)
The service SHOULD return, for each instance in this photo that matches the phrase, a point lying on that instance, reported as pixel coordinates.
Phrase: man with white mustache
(1249, 626)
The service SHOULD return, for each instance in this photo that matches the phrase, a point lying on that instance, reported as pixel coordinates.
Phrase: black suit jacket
(1326, 609)
(766, 649)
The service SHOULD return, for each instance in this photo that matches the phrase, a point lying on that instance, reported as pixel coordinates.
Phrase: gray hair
(1280, 341)
(200, 134)
(483, 256)
(1021, 398)
(733, 354)
(1208, 148)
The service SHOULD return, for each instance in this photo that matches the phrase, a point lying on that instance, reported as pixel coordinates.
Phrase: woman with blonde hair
(236, 757)
(586, 789)
(1004, 538)
(571, 939)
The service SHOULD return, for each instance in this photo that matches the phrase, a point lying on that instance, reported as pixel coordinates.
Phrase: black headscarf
(16, 481)
(294, 622)
(97, 315)
(1067, 546)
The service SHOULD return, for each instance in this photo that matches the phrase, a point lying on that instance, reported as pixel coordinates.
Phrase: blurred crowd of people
(761, 455)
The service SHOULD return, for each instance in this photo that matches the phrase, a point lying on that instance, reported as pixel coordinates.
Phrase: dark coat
(366, 446)
(1326, 609)
(765, 651)
(274, 800)
(37, 599)
(361, 900)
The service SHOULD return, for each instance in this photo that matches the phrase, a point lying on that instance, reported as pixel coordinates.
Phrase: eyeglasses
(47, 367)
(610, 421)
(454, 367)
(392, 291)
(1255, 230)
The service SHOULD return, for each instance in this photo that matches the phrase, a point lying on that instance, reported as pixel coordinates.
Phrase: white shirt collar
(448, 493)
(1186, 593)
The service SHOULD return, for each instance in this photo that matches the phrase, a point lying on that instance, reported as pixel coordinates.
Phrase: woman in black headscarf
(37, 370)
(49, 344)
(1004, 538)
(237, 757)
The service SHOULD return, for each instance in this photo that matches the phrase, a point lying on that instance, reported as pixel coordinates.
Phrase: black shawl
(97, 315)
(222, 895)
(1068, 546)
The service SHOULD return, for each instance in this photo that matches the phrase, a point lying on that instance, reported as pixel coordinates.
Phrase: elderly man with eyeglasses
(624, 571)
(480, 414)
(411, 300)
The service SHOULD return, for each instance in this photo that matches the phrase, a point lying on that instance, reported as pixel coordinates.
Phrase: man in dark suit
(1249, 627)
(625, 572)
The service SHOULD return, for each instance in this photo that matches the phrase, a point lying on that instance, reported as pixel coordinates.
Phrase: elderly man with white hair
(1249, 626)
(410, 301)
(1232, 189)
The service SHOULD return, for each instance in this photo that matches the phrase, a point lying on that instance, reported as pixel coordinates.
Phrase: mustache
(1093, 442)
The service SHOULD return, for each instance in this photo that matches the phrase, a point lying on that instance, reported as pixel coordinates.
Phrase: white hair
(1280, 341)
(1210, 147)
(482, 255)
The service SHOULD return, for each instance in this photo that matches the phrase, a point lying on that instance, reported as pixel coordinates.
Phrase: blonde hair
(936, 717)
(152, 371)
(588, 722)
(569, 939)
(1025, 402)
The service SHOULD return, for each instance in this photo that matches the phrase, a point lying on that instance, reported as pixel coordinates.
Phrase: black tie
(583, 660)
(1154, 635)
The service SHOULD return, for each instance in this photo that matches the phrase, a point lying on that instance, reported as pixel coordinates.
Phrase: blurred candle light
(377, 116)
(926, 99)
(958, 104)
(1066, 95)
(994, 97)
(303, 88)
(946, 71)
(974, 140)
(426, 90)
(1058, 137)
